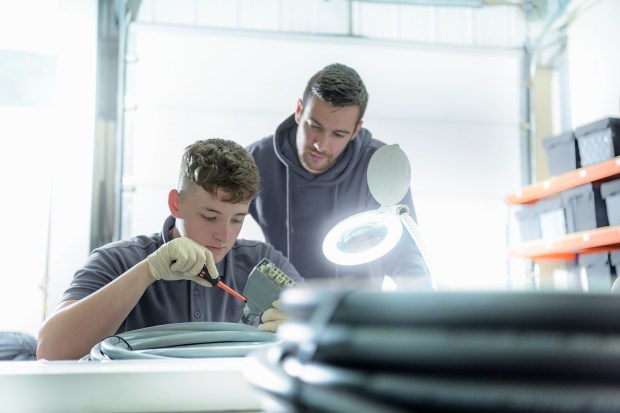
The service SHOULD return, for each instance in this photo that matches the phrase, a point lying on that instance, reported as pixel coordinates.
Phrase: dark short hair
(339, 85)
(220, 164)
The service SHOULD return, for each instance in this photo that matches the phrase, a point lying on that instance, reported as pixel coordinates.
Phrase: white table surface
(168, 385)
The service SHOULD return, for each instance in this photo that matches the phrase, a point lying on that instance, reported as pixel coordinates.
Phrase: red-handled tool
(204, 273)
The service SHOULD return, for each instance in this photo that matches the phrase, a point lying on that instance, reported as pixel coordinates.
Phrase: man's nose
(222, 233)
(319, 141)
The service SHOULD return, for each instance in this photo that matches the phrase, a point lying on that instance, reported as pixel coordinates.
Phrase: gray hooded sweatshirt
(296, 209)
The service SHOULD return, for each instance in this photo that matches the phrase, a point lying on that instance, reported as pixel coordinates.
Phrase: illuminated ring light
(363, 237)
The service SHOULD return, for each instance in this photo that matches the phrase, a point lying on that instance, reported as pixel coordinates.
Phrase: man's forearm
(74, 328)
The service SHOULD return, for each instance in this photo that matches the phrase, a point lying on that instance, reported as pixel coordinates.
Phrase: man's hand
(273, 317)
(181, 259)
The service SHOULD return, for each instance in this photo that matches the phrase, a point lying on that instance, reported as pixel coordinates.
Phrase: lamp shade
(389, 175)
(363, 237)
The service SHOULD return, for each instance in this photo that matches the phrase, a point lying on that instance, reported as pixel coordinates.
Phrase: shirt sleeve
(98, 271)
(107, 263)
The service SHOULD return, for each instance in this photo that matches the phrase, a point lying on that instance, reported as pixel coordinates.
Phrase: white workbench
(168, 385)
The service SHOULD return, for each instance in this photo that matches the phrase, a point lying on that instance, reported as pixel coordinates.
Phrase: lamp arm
(414, 231)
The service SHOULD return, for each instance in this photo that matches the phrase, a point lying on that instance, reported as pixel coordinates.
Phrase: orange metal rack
(559, 183)
(566, 247)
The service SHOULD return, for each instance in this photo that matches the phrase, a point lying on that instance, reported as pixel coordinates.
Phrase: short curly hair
(220, 164)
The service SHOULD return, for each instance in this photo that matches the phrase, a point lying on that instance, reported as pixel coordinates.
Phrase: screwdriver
(204, 273)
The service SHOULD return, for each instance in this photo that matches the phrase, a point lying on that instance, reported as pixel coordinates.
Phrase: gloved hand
(181, 259)
(273, 317)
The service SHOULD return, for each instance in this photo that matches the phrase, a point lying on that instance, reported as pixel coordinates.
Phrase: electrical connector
(262, 288)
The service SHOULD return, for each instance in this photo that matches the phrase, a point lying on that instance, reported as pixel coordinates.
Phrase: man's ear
(298, 109)
(357, 129)
(173, 202)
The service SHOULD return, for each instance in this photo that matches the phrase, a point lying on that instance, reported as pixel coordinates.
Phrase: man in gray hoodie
(313, 175)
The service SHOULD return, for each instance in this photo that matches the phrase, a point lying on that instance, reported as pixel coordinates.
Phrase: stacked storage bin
(547, 218)
(552, 217)
(529, 225)
(593, 205)
(595, 272)
(583, 208)
(562, 153)
(586, 207)
(598, 141)
(614, 261)
(610, 192)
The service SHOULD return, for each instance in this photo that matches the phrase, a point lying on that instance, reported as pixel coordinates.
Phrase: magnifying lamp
(369, 235)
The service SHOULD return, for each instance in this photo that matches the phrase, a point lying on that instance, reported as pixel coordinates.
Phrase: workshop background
(99, 98)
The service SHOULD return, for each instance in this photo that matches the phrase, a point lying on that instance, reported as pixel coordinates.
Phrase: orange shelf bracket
(600, 239)
(559, 183)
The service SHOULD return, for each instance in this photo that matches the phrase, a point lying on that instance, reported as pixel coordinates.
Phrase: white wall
(594, 63)
(453, 110)
(46, 158)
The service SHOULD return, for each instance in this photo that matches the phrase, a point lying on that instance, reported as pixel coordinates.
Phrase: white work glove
(273, 317)
(181, 259)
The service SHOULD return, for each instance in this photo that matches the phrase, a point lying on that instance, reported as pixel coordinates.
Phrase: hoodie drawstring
(289, 224)
(336, 209)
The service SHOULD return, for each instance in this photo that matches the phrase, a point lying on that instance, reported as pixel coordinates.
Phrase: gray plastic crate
(595, 272)
(529, 225)
(598, 141)
(614, 260)
(562, 153)
(552, 217)
(610, 192)
(585, 209)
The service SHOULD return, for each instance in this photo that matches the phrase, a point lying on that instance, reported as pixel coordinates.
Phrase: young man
(313, 175)
(153, 280)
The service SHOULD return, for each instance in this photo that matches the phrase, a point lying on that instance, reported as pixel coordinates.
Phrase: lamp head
(366, 236)
(363, 237)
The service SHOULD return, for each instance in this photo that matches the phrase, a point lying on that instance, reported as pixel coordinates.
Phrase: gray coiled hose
(17, 346)
(183, 340)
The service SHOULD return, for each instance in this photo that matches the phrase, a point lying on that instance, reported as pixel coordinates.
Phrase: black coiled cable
(368, 351)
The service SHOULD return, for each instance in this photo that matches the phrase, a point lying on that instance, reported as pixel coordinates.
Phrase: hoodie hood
(285, 146)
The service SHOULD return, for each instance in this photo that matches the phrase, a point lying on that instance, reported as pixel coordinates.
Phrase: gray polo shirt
(166, 302)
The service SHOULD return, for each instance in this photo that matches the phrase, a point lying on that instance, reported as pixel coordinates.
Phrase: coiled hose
(17, 346)
(183, 340)
(368, 351)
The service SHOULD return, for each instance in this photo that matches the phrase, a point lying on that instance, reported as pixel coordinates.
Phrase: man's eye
(315, 126)
(209, 218)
